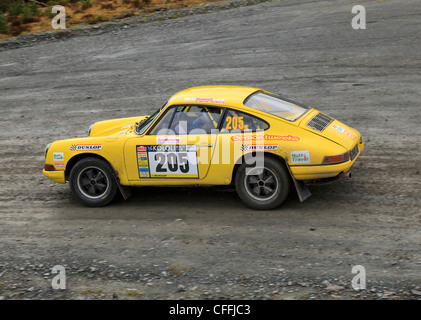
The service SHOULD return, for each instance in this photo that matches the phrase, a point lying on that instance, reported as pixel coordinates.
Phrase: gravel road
(166, 243)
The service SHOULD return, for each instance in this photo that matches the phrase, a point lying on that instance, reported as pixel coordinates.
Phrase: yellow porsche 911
(263, 143)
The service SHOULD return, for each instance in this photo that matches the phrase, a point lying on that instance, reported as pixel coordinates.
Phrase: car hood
(334, 130)
(115, 127)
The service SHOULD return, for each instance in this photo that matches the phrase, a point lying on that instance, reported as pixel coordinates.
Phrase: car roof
(213, 95)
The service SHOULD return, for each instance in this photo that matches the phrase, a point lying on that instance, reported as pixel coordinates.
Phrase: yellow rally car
(214, 135)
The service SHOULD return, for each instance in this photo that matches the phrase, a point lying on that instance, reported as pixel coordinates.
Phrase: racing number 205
(235, 123)
(173, 161)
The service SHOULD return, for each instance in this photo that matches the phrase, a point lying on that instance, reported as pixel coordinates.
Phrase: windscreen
(141, 128)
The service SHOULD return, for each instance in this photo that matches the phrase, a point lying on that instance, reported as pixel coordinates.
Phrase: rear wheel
(92, 182)
(263, 187)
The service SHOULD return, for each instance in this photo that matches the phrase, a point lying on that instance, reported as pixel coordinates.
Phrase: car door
(178, 146)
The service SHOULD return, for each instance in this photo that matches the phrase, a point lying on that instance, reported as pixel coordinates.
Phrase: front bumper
(56, 176)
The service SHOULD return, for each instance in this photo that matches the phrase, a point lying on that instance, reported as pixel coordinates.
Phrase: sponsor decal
(58, 156)
(172, 148)
(142, 161)
(282, 138)
(205, 100)
(348, 134)
(336, 127)
(91, 147)
(248, 147)
(59, 165)
(167, 140)
(241, 137)
(300, 157)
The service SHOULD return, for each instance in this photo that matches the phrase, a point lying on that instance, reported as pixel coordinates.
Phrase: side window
(195, 119)
(162, 126)
(236, 120)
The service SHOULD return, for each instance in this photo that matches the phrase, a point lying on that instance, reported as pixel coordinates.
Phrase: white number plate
(167, 161)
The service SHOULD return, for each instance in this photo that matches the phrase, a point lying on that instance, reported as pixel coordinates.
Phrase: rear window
(278, 106)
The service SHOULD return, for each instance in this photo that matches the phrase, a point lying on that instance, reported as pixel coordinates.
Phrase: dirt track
(204, 243)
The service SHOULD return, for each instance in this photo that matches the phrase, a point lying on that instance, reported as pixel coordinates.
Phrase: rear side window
(278, 106)
(239, 121)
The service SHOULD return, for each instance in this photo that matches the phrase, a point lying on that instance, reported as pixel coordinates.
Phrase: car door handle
(205, 145)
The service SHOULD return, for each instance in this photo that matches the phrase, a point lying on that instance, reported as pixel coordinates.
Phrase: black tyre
(92, 182)
(264, 187)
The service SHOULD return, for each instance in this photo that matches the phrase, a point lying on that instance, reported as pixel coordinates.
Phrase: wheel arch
(302, 191)
(241, 160)
(75, 159)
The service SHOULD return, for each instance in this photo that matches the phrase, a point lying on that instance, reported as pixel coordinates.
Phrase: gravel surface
(88, 29)
(203, 243)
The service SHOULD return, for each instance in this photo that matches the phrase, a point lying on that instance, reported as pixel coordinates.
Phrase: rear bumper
(301, 172)
(56, 176)
(320, 172)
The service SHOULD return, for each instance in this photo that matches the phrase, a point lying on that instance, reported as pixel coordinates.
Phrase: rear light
(49, 167)
(337, 158)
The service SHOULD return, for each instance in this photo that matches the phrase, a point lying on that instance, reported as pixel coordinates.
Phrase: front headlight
(90, 128)
(46, 149)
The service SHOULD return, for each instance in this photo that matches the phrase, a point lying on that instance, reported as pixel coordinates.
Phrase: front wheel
(92, 182)
(263, 187)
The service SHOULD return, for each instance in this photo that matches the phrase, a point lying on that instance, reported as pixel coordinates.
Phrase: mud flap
(125, 191)
(302, 190)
